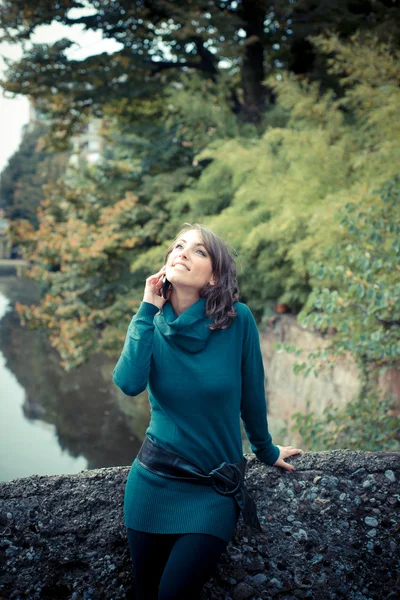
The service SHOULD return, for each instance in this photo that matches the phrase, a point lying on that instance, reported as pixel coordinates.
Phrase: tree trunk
(252, 72)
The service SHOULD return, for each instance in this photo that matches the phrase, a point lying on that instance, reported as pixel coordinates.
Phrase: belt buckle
(218, 476)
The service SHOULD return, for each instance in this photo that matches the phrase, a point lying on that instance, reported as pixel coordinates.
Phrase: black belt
(227, 479)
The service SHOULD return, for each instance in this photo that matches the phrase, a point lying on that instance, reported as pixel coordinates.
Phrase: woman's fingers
(285, 452)
(156, 279)
(157, 275)
(286, 466)
(152, 290)
(289, 450)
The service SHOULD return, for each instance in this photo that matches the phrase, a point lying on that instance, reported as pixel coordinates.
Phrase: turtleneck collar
(189, 330)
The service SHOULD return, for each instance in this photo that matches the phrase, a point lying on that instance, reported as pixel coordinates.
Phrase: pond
(52, 421)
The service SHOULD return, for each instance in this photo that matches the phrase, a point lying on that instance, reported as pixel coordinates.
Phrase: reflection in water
(27, 447)
(53, 422)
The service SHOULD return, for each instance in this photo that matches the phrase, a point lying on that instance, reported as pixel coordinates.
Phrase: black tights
(173, 566)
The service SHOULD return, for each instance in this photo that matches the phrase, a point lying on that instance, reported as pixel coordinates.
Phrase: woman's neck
(181, 301)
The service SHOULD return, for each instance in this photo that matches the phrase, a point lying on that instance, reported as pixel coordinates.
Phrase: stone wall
(288, 393)
(330, 532)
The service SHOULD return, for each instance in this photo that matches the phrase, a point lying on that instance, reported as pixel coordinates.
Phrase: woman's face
(189, 264)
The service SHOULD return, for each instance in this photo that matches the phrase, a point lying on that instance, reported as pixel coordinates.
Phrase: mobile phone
(165, 286)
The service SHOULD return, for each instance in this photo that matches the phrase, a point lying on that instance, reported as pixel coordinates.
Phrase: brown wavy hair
(225, 292)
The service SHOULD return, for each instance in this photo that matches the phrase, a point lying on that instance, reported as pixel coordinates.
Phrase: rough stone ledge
(330, 532)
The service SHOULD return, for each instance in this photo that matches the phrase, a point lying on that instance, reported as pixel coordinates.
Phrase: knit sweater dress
(200, 383)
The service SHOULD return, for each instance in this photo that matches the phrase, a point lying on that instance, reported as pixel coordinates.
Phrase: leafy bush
(367, 423)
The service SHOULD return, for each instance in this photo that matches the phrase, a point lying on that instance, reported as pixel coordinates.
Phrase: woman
(196, 348)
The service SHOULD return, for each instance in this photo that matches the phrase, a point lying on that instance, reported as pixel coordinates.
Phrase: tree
(28, 169)
(361, 299)
(361, 310)
(285, 188)
(273, 198)
(248, 39)
(99, 220)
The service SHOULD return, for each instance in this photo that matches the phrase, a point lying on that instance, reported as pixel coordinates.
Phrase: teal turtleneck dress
(200, 383)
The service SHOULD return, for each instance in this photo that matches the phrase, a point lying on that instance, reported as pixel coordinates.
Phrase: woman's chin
(176, 277)
(179, 285)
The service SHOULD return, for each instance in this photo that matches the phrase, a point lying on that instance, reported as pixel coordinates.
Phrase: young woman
(196, 349)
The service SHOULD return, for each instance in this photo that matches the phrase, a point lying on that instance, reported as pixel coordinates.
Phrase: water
(53, 422)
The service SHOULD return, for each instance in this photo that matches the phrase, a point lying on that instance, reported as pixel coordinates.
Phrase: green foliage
(362, 303)
(272, 196)
(80, 256)
(28, 169)
(101, 220)
(360, 310)
(367, 423)
(200, 110)
(282, 191)
(161, 41)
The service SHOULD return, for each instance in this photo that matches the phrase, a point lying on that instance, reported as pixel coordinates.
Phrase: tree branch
(382, 321)
(207, 58)
(206, 62)
(388, 323)
(156, 67)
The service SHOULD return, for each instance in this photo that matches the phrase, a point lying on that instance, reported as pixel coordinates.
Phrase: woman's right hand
(153, 289)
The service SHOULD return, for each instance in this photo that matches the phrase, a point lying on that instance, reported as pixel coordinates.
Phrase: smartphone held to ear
(165, 286)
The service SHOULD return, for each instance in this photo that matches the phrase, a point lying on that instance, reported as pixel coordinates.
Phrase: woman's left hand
(286, 451)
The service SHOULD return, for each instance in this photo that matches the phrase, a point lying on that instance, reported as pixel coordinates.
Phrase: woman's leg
(193, 560)
(149, 552)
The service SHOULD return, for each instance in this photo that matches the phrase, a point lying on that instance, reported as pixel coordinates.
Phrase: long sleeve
(131, 373)
(253, 402)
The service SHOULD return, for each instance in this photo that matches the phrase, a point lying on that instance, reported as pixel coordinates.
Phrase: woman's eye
(201, 251)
